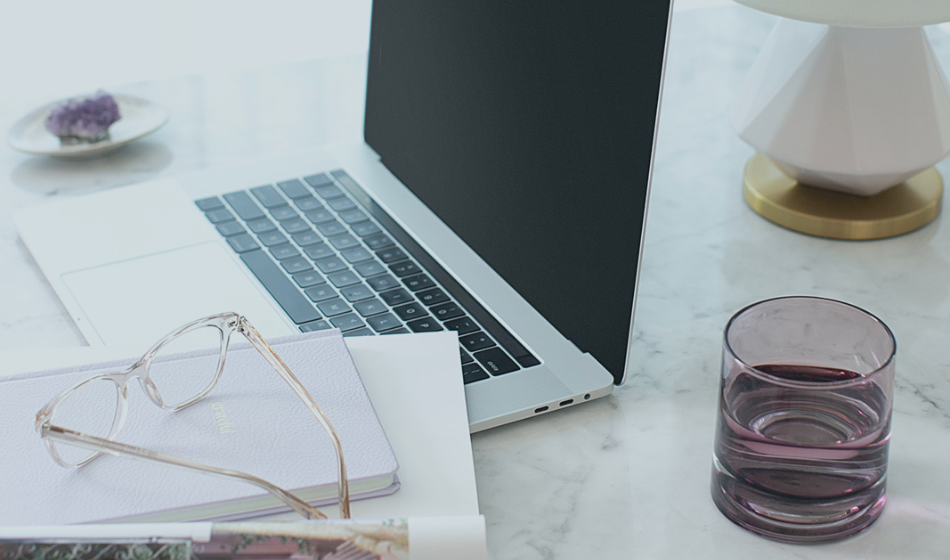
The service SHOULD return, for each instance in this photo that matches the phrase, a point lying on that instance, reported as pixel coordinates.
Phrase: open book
(251, 422)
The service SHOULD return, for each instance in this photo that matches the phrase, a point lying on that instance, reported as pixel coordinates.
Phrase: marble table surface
(626, 476)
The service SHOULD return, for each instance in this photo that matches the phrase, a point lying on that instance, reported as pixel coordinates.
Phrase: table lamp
(849, 111)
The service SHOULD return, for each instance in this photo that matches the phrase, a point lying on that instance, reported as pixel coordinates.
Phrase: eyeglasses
(81, 423)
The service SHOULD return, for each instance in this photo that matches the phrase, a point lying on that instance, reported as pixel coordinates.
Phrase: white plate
(139, 118)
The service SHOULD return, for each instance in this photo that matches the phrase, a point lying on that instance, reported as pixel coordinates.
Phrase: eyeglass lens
(185, 366)
(91, 408)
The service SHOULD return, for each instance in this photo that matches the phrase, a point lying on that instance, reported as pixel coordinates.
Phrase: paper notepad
(251, 422)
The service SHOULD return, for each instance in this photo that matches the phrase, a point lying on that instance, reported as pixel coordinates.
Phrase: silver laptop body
(133, 263)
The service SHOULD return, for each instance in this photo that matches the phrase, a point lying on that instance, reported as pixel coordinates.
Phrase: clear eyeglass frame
(227, 324)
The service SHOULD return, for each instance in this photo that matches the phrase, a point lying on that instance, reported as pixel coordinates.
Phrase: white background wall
(55, 48)
(64, 47)
(71, 46)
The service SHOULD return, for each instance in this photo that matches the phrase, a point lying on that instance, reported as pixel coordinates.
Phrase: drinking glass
(804, 419)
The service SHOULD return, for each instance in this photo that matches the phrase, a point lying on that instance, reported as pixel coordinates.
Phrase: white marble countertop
(626, 476)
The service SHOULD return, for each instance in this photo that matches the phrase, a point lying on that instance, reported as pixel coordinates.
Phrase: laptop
(501, 192)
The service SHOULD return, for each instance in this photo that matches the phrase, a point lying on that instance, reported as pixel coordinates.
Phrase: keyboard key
(244, 206)
(344, 278)
(382, 283)
(364, 229)
(319, 251)
(288, 297)
(526, 360)
(261, 226)
(463, 325)
(353, 216)
(293, 266)
(358, 292)
(227, 229)
(476, 341)
(419, 282)
(391, 255)
(404, 268)
(384, 322)
(396, 297)
(473, 372)
(320, 293)
(359, 332)
(331, 265)
(318, 180)
(220, 215)
(332, 307)
(300, 198)
(356, 255)
(329, 229)
(348, 322)
(378, 242)
(432, 296)
(345, 241)
(495, 361)
(410, 311)
(341, 204)
(370, 307)
(465, 356)
(320, 216)
(210, 203)
(306, 238)
(272, 239)
(427, 324)
(286, 251)
(294, 189)
(371, 268)
(243, 243)
(328, 191)
(446, 311)
(268, 196)
(400, 330)
(320, 325)
(296, 225)
(283, 213)
(308, 204)
(308, 279)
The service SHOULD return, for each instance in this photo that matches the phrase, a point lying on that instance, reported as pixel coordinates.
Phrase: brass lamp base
(824, 213)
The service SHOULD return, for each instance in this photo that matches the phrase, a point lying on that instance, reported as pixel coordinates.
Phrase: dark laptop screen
(528, 128)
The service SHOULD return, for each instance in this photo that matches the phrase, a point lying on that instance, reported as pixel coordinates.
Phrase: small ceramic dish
(139, 118)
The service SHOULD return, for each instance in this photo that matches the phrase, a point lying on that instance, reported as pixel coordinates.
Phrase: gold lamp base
(824, 213)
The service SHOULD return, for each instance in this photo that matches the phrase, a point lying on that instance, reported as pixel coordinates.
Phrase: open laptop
(501, 192)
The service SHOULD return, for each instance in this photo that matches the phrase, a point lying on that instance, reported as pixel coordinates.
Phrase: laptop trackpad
(137, 301)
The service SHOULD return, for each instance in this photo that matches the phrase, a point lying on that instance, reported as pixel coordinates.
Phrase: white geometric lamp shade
(848, 112)
(854, 110)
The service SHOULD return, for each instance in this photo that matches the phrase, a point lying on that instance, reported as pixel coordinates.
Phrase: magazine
(421, 538)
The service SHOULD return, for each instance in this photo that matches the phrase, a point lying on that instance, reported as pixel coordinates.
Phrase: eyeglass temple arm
(274, 360)
(123, 450)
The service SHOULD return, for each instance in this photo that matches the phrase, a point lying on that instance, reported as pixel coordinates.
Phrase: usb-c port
(540, 410)
(565, 403)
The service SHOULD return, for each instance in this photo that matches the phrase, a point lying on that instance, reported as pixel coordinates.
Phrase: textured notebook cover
(251, 422)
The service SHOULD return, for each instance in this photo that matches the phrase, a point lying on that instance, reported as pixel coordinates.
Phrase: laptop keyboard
(331, 257)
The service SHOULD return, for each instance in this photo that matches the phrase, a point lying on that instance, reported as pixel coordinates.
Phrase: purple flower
(85, 120)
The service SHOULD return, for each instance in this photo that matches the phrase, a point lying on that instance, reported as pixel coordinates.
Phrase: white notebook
(269, 434)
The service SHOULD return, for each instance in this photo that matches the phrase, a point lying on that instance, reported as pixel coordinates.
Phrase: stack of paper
(415, 387)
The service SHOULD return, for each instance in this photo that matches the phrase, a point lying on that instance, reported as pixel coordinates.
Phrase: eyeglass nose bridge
(138, 371)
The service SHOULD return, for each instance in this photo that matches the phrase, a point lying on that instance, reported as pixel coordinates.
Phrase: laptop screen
(528, 128)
